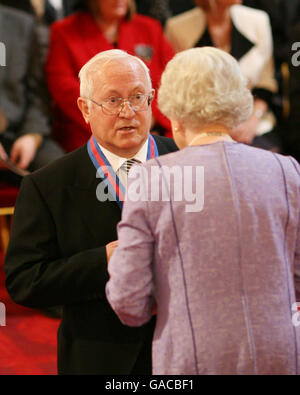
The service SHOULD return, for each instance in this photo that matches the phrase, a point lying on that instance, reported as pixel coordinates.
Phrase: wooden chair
(8, 196)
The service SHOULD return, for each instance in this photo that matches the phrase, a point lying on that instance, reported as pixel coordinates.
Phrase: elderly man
(58, 254)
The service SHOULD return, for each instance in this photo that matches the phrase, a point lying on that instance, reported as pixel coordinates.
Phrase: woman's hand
(24, 150)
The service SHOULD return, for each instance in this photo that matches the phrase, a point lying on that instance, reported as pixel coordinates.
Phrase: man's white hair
(202, 86)
(96, 65)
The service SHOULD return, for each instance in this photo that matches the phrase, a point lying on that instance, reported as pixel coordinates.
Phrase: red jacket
(76, 39)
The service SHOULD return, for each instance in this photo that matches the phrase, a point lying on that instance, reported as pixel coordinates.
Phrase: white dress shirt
(116, 161)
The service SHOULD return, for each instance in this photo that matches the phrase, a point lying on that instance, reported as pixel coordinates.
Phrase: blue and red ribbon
(106, 172)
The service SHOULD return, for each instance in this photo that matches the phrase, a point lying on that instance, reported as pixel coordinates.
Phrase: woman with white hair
(222, 270)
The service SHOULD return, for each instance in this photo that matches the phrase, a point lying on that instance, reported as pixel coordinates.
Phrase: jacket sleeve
(36, 273)
(62, 75)
(297, 266)
(296, 260)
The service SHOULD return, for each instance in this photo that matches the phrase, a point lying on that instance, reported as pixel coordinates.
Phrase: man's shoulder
(62, 170)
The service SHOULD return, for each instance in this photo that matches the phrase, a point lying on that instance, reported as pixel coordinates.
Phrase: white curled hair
(201, 86)
(96, 64)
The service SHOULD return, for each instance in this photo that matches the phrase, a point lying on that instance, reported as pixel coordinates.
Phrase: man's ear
(150, 99)
(83, 106)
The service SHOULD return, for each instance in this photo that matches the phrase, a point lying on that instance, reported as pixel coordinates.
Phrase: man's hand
(24, 149)
(110, 247)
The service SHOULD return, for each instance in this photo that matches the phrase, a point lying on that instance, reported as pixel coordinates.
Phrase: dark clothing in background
(290, 129)
(50, 14)
(283, 15)
(163, 9)
(24, 5)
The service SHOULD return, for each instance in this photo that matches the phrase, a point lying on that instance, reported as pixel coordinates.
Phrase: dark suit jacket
(57, 256)
(23, 95)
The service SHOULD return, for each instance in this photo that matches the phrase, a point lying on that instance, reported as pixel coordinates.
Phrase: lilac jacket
(223, 277)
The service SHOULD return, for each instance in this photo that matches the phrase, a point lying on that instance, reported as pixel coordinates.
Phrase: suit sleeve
(62, 76)
(296, 263)
(130, 287)
(36, 274)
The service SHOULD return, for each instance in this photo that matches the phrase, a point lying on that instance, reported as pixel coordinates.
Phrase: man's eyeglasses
(114, 105)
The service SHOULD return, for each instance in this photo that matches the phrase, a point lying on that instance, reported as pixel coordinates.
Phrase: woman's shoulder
(243, 13)
(184, 30)
(70, 22)
(195, 14)
(262, 158)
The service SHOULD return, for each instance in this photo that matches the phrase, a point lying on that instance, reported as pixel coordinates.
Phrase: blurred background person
(97, 26)
(45, 13)
(24, 103)
(46, 10)
(283, 14)
(163, 9)
(246, 34)
(24, 5)
(222, 274)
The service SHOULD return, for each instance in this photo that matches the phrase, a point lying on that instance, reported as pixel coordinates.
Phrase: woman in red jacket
(100, 25)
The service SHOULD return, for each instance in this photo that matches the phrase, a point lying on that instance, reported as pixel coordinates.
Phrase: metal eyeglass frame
(122, 101)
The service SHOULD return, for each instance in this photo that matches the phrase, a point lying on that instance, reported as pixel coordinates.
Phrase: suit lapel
(94, 214)
(98, 218)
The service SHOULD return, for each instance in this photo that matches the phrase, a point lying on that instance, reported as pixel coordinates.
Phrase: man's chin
(131, 138)
(130, 144)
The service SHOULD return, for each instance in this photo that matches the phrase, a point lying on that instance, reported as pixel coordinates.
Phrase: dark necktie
(128, 164)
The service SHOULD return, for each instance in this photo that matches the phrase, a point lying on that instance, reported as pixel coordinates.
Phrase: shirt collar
(117, 161)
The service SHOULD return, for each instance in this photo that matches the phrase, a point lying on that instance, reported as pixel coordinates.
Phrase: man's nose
(126, 110)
